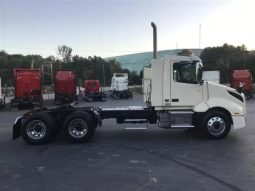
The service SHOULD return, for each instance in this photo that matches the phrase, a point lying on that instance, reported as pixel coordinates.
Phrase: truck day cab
(176, 98)
(28, 88)
(242, 79)
(92, 91)
(65, 87)
(119, 86)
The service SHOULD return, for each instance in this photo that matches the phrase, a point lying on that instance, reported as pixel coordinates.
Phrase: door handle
(175, 100)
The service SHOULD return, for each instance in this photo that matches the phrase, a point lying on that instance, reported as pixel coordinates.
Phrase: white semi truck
(119, 86)
(176, 98)
(211, 76)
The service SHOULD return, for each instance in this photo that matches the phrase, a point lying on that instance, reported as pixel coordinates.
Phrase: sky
(110, 28)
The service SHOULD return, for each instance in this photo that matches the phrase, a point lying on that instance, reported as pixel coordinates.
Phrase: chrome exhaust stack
(154, 39)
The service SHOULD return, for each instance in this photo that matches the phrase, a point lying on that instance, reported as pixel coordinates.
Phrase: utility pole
(176, 47)
(32, 63)
(1, 25)
(51, 71)
(42, 73)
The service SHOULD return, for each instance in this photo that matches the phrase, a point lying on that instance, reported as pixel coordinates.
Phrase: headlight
(237, 96)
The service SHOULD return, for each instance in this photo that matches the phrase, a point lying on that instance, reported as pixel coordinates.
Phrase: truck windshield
(185, 72)
(119, 75)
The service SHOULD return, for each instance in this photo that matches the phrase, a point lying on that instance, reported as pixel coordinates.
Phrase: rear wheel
(39, 128)
(57, 100)
(79, 126)
(40, 102)
(3, 103)
(103, 97)
(88, 98)
(131, 95)
(216, 124)
(12, 103)
(248, 95)
(76, 99)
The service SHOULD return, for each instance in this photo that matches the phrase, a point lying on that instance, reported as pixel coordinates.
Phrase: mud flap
(16, 128)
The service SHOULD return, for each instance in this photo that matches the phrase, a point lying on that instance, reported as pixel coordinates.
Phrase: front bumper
(238, 121)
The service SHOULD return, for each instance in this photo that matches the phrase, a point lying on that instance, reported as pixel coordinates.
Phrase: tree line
(227, 58)
(95, 68)
(224, 58)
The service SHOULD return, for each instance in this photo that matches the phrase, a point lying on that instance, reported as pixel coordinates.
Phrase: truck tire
(88, 98)
(57, 100)
(39, 128)
(12, 103)
(2, 105)
(103, 97)
(248, 95)
(40, 103)
(216, 124)
(76, 99)
(79, 126)
(131, 95)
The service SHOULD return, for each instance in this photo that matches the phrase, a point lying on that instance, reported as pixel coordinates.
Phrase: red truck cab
(65, 87)
(91, 86)
(28, 89)
(242, 79)
(92, 91)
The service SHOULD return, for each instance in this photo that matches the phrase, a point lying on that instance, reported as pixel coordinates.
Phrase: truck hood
(222, 86)
(218, 91)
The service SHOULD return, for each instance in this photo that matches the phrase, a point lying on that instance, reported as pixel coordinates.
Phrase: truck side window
(184, 72)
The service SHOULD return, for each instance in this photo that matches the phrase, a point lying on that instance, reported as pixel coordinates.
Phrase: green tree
(226, 58)
(65, 53)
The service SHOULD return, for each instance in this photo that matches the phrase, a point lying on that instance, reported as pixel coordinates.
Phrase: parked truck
(65, 87)
(176, 98)
(211, 76)
(92, 91)
(2, 96)
(28, 89)
(242, 81)
(119, 86)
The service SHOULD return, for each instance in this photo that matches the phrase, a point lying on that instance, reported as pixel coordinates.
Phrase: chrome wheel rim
(78, 128)
(36, 129)
(216, 126)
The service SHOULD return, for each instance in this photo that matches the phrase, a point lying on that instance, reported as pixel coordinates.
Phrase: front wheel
(216, 125)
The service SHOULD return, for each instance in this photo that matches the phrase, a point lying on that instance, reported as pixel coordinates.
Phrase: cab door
(185, 90)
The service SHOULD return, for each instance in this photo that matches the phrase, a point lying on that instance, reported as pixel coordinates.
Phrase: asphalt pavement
(125, 159)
